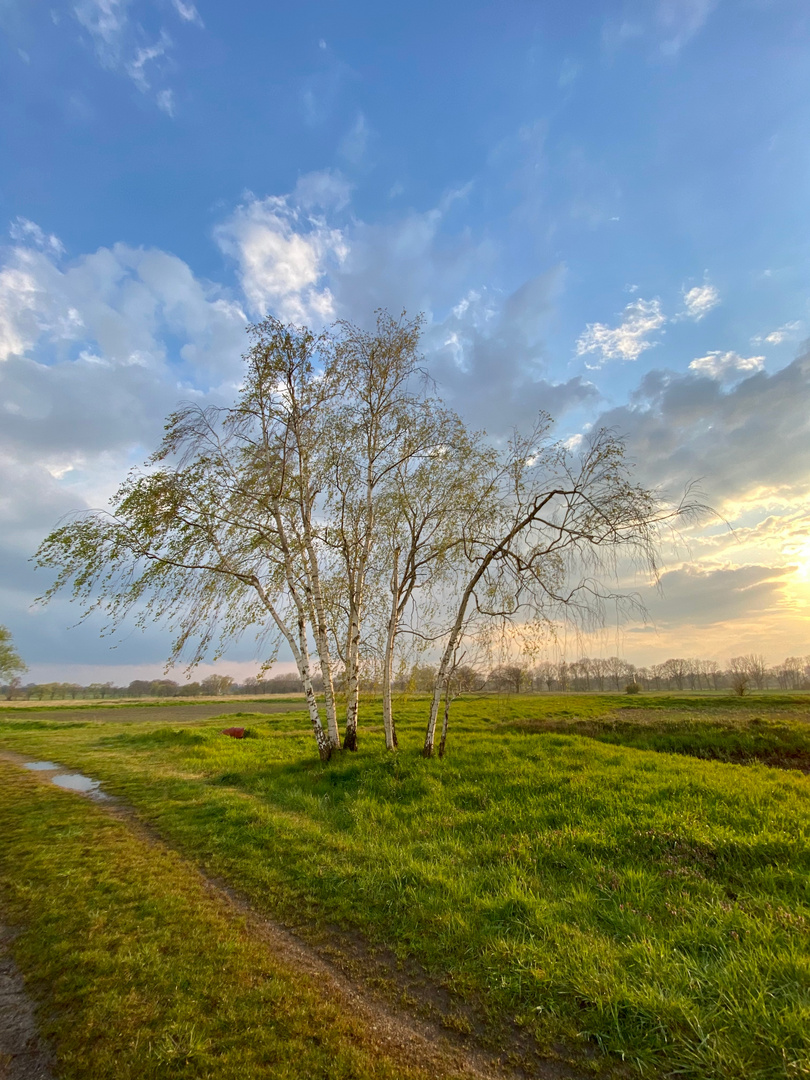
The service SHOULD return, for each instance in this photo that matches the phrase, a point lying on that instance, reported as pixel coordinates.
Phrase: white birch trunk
(388, 662)
(301, 657)
(352, 679)
(322, 642)
(446, 722)
(319, 627)
(445, 665)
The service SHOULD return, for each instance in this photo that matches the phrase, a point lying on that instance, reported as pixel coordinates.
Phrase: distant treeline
(740, 674)
(212, 686)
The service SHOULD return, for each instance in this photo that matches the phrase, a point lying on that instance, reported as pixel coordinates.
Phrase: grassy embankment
(550, 871)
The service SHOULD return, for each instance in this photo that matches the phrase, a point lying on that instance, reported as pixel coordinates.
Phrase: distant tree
(757, 669)
(422, 677)
(216, 684)
(467, 678)
(139, 687)
(562, 675)
(644, 677)
(739, 674)
(713, 674)
(618, 670)
(14, 687)
(163, 688)
(581, 673)
(100, 690)
(790, 673)
(512, 677)
(598, 672)
(676, 670)
(544, 675)
(11, 663)
(658, 674)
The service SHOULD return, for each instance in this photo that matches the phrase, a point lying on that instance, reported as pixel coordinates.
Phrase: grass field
(629, 875)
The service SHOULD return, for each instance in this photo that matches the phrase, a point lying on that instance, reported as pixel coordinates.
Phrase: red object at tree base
(234, 732)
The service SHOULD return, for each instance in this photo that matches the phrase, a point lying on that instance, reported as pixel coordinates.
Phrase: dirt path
(414, 1020)
(23, 1056)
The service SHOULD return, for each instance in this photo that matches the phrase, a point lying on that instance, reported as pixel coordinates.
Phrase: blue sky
(602, 209)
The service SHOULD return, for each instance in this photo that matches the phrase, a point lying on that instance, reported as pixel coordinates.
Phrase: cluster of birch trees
(339, 507)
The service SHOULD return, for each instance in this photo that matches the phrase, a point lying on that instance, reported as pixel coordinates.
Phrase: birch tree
(562, 519)
(435, 495)
(218, 535)
(370, 435)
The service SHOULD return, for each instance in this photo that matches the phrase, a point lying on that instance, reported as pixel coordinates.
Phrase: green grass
(140, 972)
(562, 868)
(743, 733)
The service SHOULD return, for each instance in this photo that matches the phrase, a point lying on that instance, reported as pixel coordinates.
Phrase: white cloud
(726, 365)
(325, 190)
(669, 24)
(679, 21)
(146, 55)
(121, 45)
(699, 301)
(19, 300)
(283, 249)
(106, 21)
(28, 232)
(354, 143)
(116, 304)
(488, 357)
(165, 101)
(187, 12)
(789, 332)
(629, 339)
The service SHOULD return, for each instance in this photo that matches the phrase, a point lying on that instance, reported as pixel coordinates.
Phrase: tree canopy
(11, 663)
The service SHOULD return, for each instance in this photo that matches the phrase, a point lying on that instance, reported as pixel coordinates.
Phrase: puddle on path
(85, 785)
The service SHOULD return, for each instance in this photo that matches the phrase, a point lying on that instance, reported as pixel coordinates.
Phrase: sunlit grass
(140, 973)
(644, 901)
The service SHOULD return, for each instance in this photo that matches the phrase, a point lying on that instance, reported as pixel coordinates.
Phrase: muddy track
(413, 1019)
(23, 1055)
